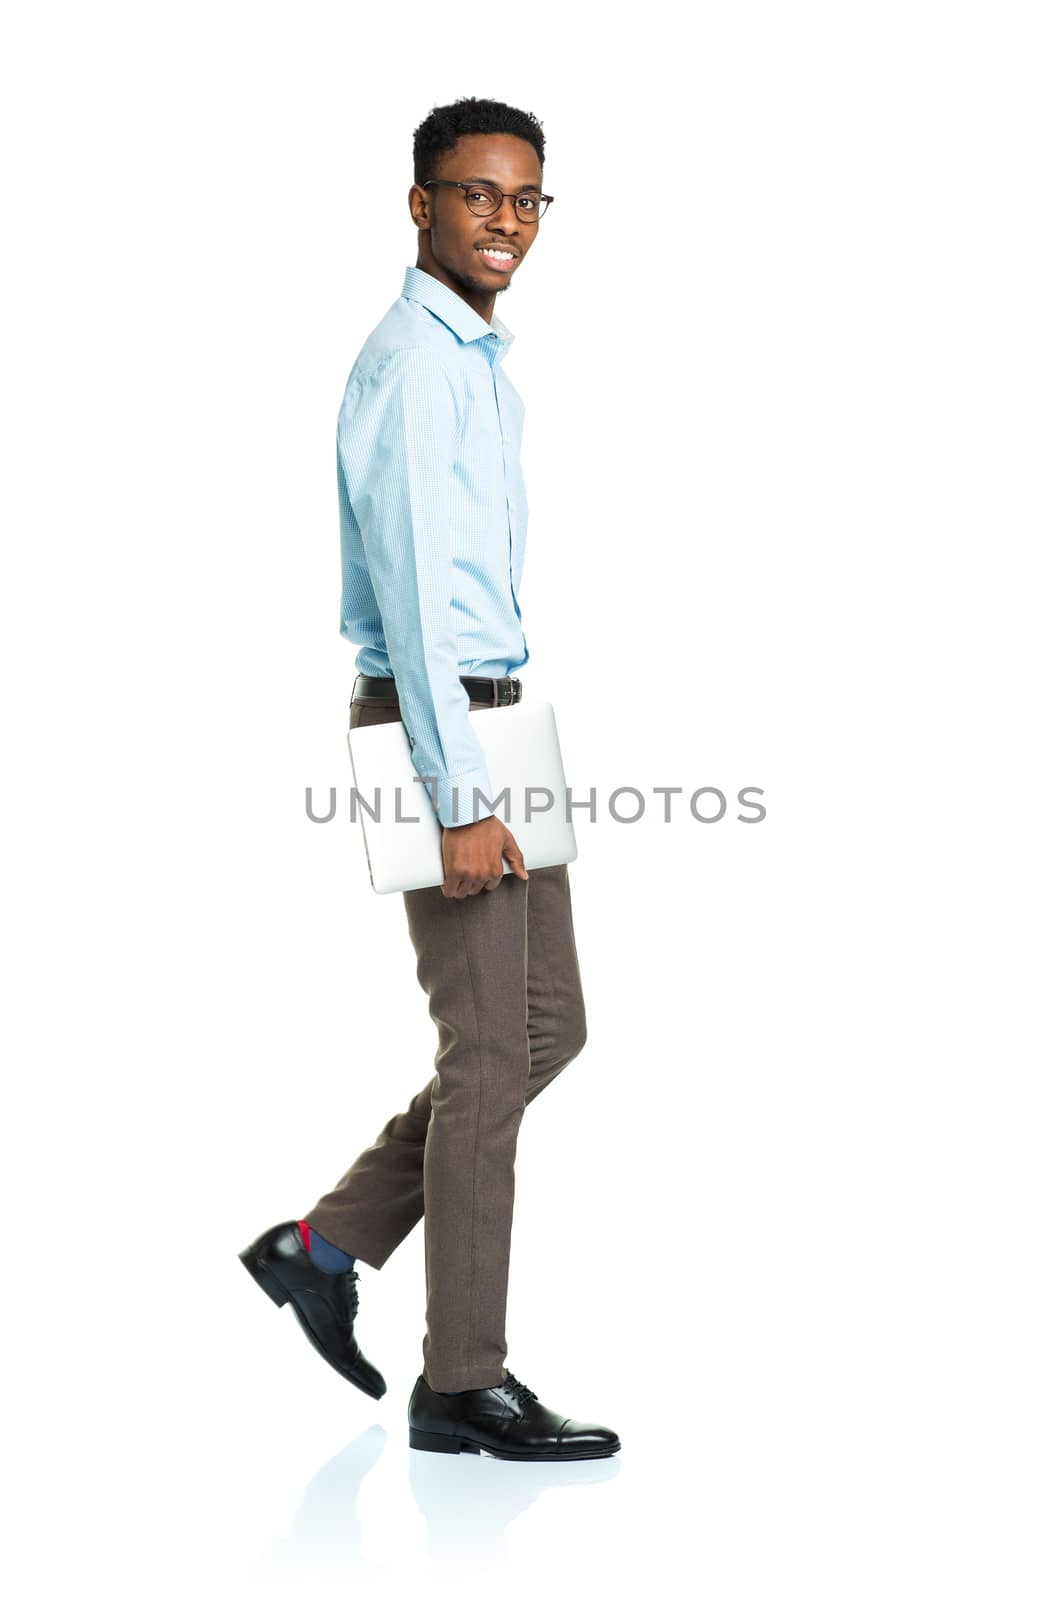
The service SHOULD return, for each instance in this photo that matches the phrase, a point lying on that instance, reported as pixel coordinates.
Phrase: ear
(420, 203)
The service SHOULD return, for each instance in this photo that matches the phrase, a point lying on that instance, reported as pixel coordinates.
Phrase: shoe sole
(453, 1444)
(271, 1285)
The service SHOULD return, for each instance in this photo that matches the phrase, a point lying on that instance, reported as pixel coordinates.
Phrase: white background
(790, 347)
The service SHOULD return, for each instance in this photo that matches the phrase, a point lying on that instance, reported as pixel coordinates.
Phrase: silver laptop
(402, 834)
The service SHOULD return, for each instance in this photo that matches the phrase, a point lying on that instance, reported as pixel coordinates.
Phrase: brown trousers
(502, 978)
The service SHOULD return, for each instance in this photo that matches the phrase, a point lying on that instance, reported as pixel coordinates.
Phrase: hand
(472, 857)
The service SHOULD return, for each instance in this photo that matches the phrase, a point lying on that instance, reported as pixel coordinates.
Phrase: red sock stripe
(304, 1229)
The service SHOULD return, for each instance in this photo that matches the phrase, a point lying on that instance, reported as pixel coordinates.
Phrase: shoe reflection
(469, 1501)
(326, 1534)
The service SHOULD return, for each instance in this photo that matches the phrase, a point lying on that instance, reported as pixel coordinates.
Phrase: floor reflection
(325, 1536)
(467, 1503)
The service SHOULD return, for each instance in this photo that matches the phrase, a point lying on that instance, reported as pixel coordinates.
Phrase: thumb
(512, 852)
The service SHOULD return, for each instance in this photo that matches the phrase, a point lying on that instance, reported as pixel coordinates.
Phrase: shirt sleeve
(396, 441)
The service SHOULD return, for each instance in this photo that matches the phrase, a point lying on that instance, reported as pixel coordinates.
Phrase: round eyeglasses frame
(455, 183)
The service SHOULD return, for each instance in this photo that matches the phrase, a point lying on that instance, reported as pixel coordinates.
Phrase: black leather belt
(485, 691)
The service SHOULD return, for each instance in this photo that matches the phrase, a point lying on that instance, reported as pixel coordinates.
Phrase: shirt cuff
(453, 797)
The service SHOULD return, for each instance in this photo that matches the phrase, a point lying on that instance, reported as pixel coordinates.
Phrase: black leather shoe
(507, 1421)
(325, 1303)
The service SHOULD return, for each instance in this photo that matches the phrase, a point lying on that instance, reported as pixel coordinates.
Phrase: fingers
(461, 888)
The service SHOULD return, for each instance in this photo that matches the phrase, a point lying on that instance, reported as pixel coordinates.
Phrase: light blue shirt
(433, 520)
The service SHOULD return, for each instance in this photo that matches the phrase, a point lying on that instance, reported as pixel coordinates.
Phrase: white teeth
(499, 255)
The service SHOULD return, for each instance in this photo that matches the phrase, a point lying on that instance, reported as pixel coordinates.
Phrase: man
(433, 518)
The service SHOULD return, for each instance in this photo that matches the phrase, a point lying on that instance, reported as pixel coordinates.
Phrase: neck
(482, 301)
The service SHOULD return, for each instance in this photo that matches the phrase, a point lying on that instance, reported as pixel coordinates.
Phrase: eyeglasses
(483, 199)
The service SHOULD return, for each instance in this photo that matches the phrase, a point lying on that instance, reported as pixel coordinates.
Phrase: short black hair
(445, 125)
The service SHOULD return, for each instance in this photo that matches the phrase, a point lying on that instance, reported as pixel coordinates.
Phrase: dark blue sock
(329, 1257)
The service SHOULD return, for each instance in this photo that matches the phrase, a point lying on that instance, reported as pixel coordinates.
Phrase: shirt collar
(457, 313)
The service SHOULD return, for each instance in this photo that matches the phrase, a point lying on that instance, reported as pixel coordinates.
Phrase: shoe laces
(520, 1390)
(350, 1292)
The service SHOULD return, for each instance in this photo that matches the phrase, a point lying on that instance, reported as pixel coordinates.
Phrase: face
(454, 237)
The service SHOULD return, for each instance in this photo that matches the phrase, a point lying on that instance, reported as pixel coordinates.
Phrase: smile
(500, 259)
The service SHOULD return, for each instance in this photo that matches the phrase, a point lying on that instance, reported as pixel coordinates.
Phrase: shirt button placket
(505, 474)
